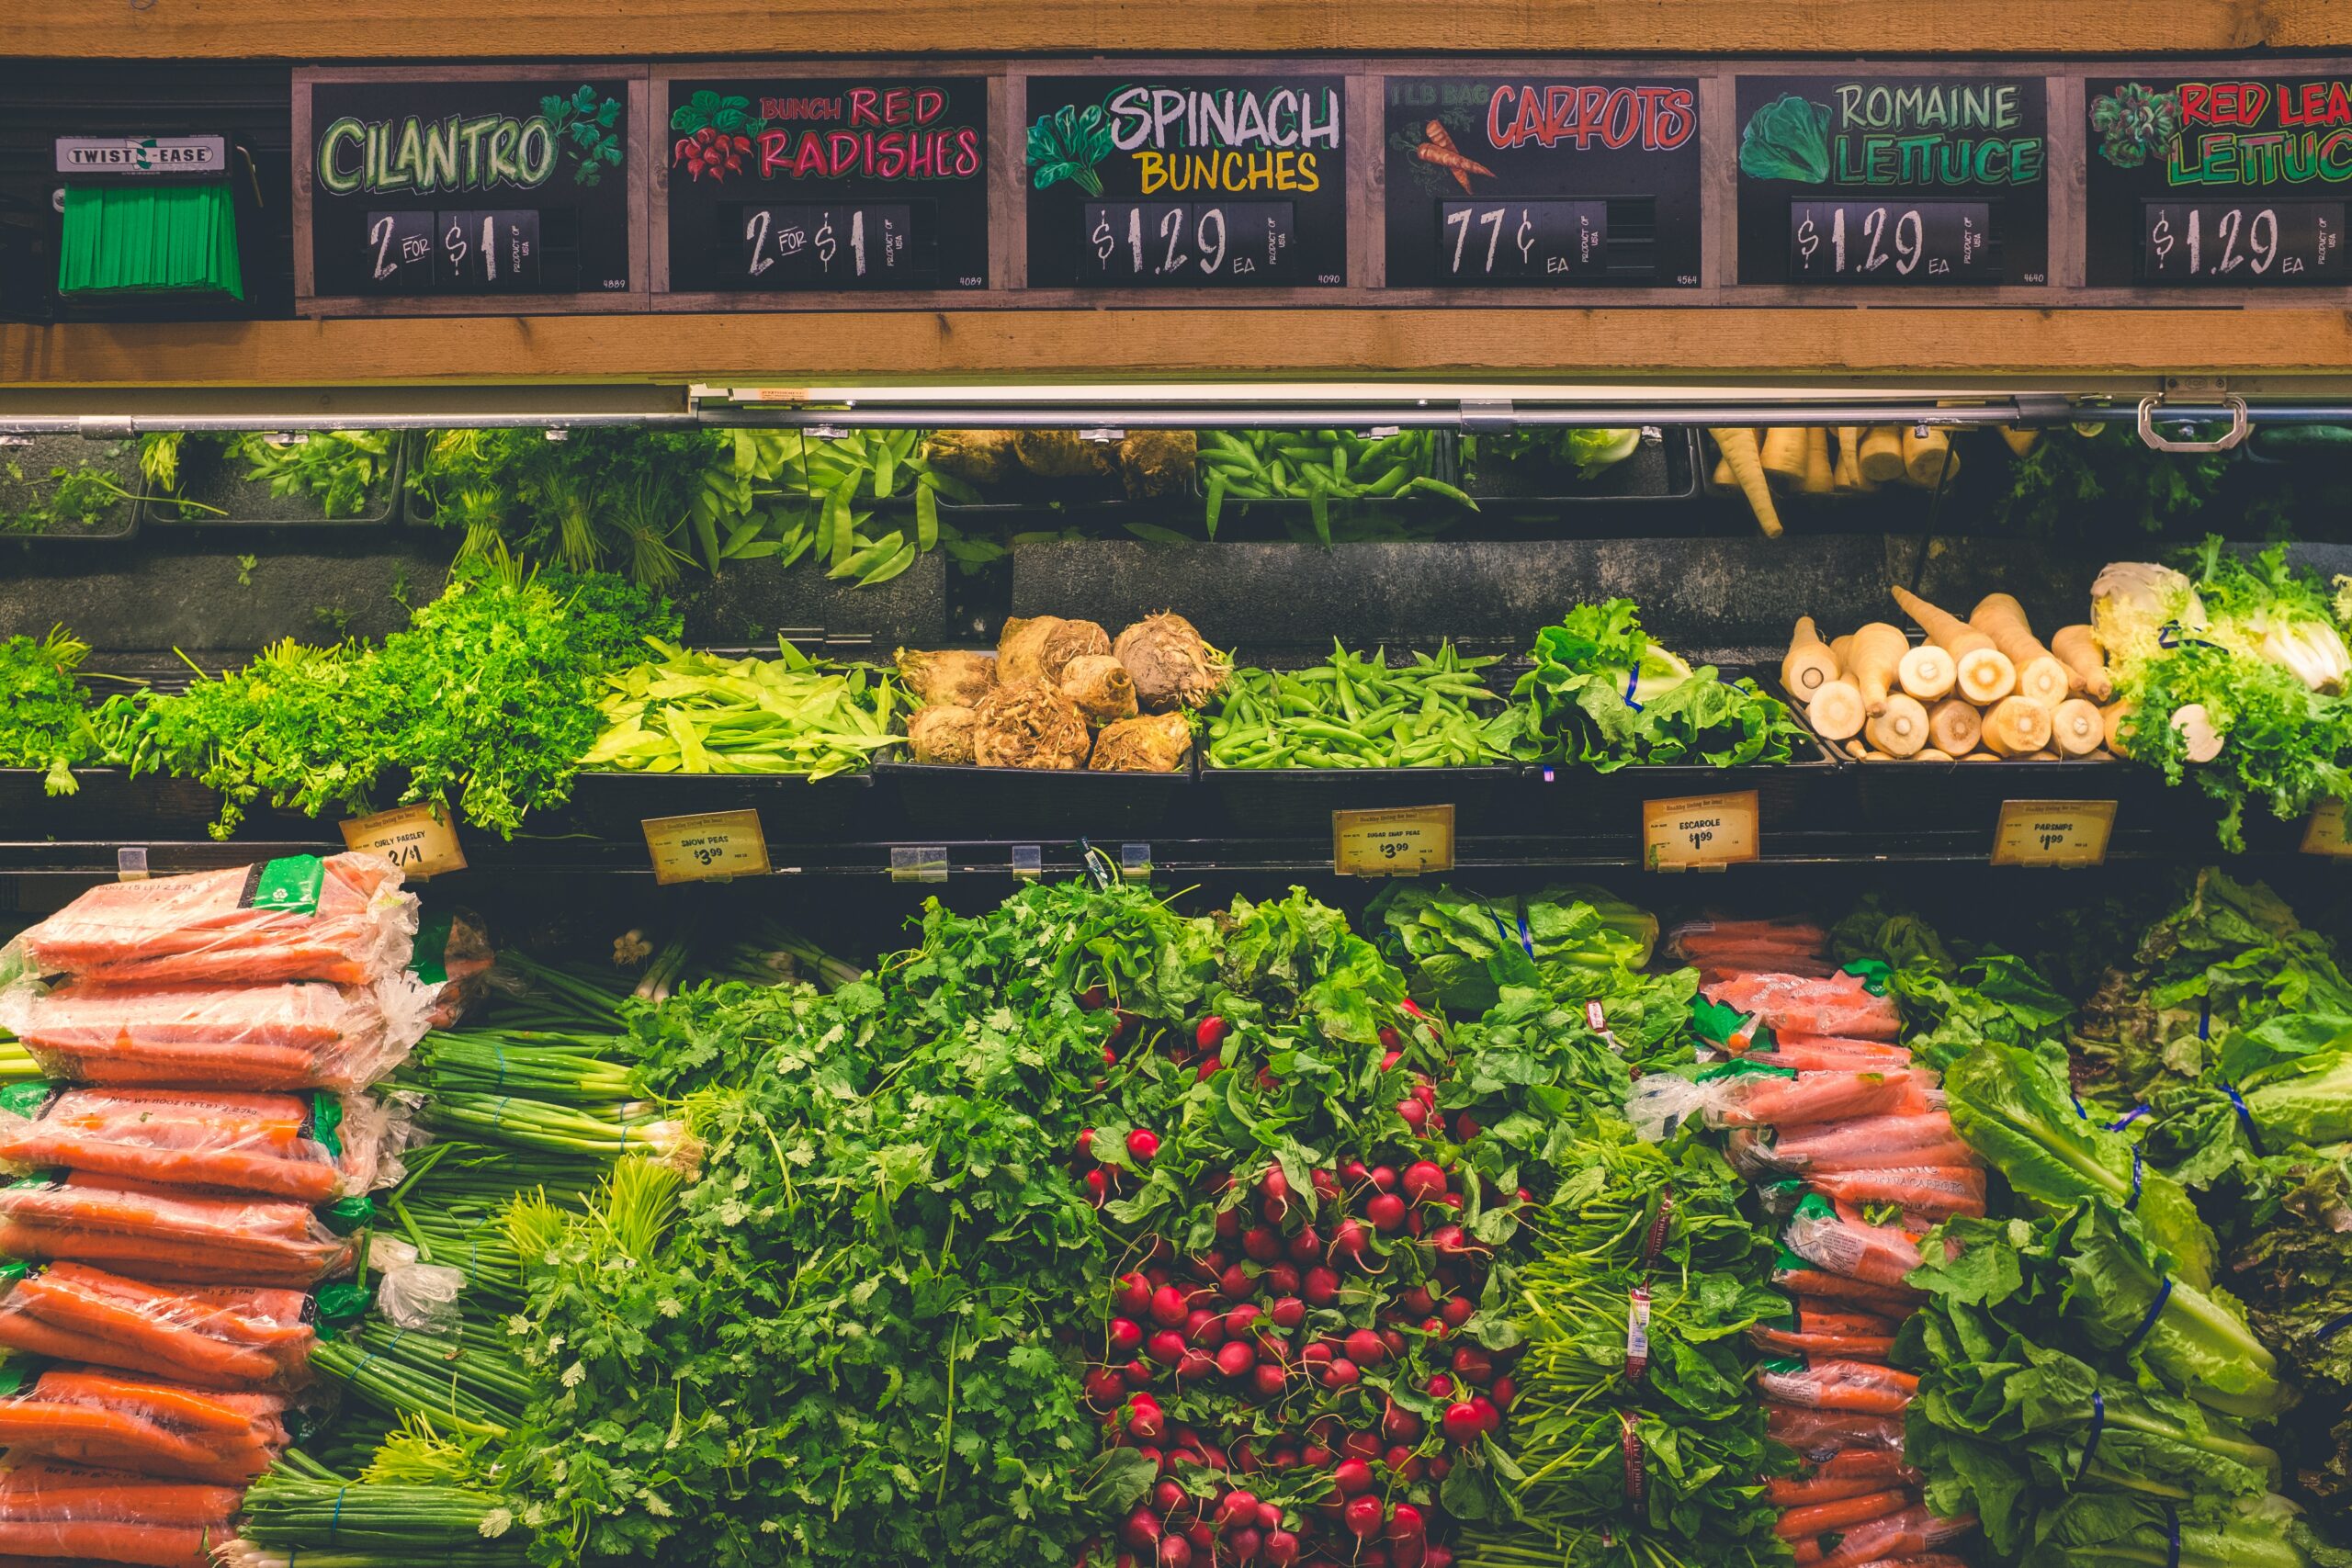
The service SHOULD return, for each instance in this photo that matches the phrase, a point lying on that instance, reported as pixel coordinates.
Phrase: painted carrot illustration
(1437, 147)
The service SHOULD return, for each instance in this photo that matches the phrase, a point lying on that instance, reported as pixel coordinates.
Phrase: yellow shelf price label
(1402, 841)
(2326, 833)
(1700, 832)
(711, 846)
(422, 840)
(2054, 832)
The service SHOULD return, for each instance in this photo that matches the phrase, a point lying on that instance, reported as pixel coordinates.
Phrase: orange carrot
(1789, 1492)
(1815, 1518)
(149, 1546)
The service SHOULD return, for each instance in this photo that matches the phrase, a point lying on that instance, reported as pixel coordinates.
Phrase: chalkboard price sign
(1863, 241)
(783, 185)
(2208, 183)
(1201, 242)
(2244, 242)
(1199, 182)
(432, 189)
(1894, 182)
(1509, 181)
(849, 246)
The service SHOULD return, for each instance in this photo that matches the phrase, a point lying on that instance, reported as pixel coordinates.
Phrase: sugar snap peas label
(1699, 832)
(1545, 182)
(420, 840)
(1157, 182)
(2054, 832)
(1404, 841)
(2233, 180)
(1915, 181)
(711, 846)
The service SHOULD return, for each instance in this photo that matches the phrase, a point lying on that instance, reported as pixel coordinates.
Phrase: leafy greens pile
(44, 721)
(487, 699)
(1600, 694)
(1951, 1004)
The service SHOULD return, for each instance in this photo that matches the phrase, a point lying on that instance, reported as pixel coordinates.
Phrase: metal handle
(2238, 427)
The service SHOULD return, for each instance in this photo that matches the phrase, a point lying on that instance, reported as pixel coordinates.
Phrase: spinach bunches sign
(2234, 182)
(1892, 182)
(429, 188)
(781, 186)
(1196, 182)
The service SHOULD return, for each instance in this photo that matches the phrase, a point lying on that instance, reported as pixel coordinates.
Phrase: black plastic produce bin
(106, 804)
(217, 482)
(1288, 802)
(793, 809)
(1664, 468)
(24, 482)
(956, 801)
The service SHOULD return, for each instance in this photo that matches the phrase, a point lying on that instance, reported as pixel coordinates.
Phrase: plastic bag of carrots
(311, 1148)
(156, 1232)
(453, 955)
(1756, 1094)
(76, 1512)
(83, 1416)
(343, 919)
(288, 1036)
(1868, 1142)
(238, 1337)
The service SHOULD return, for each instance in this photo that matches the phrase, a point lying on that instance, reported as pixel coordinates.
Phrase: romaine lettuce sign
(1873, 181)
(433, 188)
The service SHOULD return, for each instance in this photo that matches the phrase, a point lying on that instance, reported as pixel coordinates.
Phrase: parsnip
(1738, 446)
(1873, 660)
(2197, 736)
(1819, 478)
(2075, 728)
(1882, 455)
(1901, 730)
(1835, 710)
(2016, 726)
(2112, 719)
(2077, 648)
(1784, 454)
(1955, 726)
(2040, 674)
(1932, 755)
(2020, 440)
(1848, 471)
(1927, 672)
(1809, 664)
(1927, 453)
(1980, 672)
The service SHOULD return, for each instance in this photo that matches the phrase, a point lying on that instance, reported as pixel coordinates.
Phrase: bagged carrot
(288, 1036)
(1836, 1385)
(91, 1418)
(1841, 1004)
(1868, 1143)
(1926, 1192)
(1809, 1519)
(343, 918)
(1819, 1433)
(1905, 1534)
(1750, 1094)
(452, 955)
(1835, 1238)
(154, 1232)
(234, 1338)
(1803, 1277)
(311, 1148)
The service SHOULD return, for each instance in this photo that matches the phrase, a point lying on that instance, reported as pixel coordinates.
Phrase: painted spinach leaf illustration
(1067, 144)
(2134, 124)
(1788, 138)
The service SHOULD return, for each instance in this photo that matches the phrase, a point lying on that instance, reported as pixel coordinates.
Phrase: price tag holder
(2054, 832)
(711, 846)
(1134, 861)
(1700, 832)
(131, 863)
(1028, 861)
(2327, 833)
(1405, 841)
(918, 862)
(420, 840)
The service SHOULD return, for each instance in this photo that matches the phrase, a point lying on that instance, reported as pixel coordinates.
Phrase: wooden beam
(1723, 343)
(659, 29)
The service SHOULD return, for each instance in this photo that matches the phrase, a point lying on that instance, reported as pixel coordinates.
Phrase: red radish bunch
(711, 152)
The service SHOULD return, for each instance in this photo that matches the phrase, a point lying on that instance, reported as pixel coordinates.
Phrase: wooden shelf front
(656, 30)
(1953, 348)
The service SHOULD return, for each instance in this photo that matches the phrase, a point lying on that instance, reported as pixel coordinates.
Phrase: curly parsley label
(711, 846)
(420, 840)
(1700, 832)
(2054, 832)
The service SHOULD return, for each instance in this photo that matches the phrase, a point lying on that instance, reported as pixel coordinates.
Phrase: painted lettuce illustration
(1788, 138)
(2134, 124)
(1067, 144)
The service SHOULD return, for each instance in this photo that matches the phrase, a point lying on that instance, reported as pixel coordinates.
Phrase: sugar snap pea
(1355, 711)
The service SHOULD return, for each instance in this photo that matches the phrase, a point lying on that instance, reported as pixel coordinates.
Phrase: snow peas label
(712, 846)
(2054, 832)
(1699, 832)
(290, 885)
(2327, 833)
(422, 840)
(1405, 841)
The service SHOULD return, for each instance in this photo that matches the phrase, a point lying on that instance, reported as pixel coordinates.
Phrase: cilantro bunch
(488, 699)
(44, 722)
